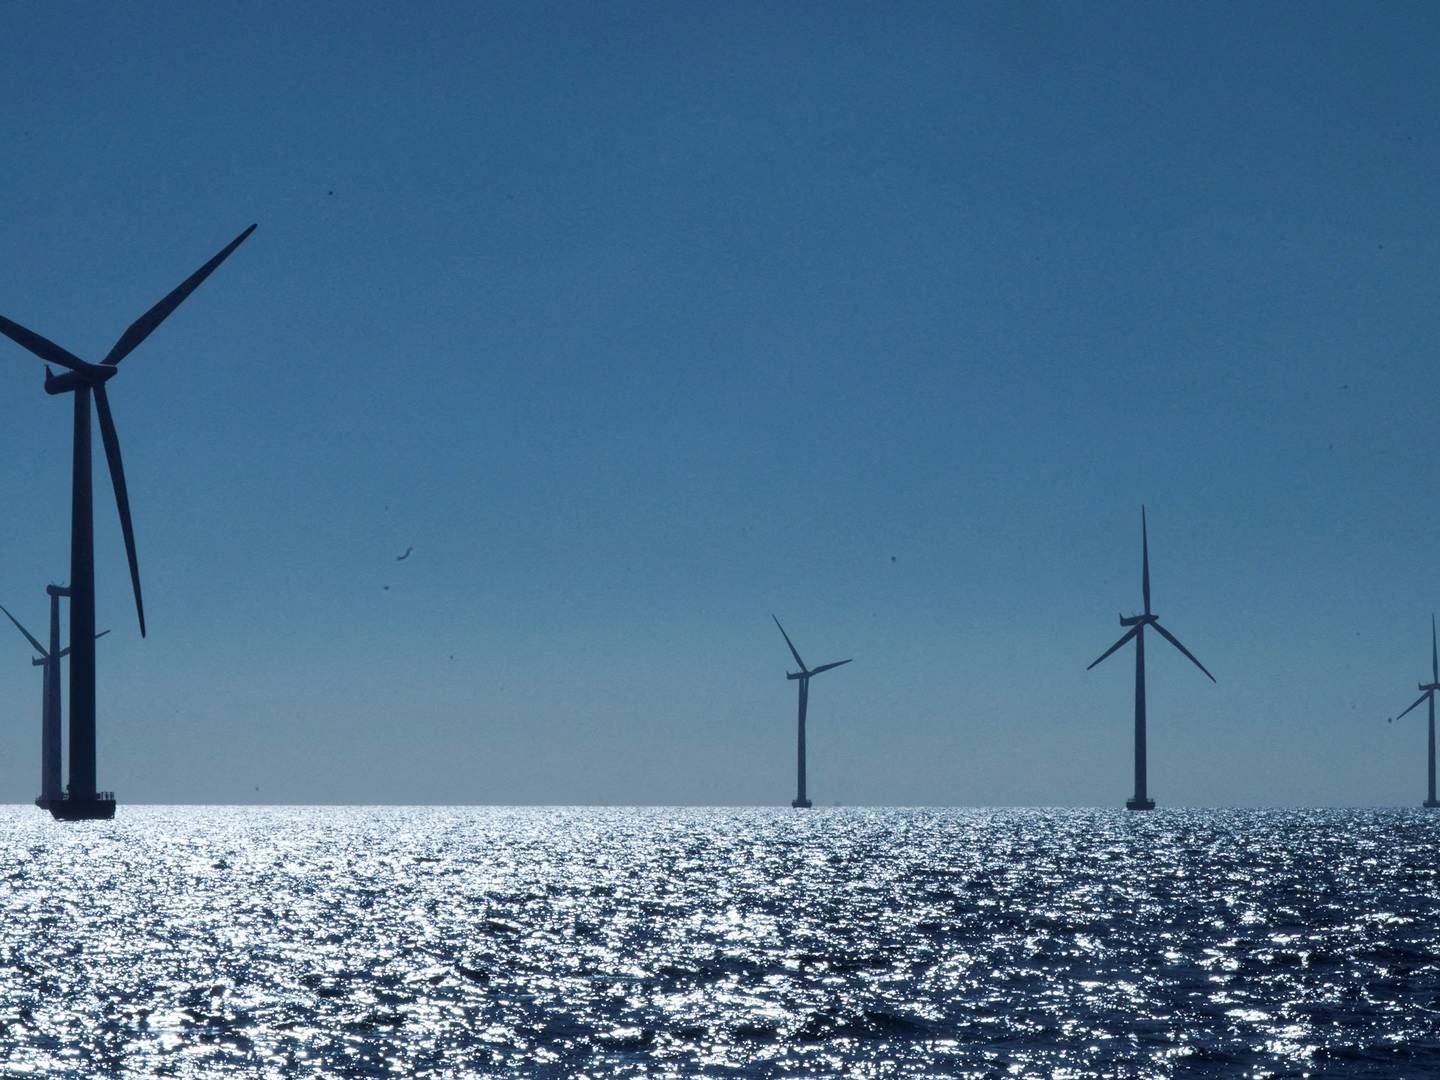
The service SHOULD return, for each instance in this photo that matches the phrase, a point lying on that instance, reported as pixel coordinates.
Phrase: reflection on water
(194, 942)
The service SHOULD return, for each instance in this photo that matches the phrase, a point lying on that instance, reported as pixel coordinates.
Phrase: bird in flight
(402, 558)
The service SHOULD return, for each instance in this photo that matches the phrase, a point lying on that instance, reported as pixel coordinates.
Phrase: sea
(187, 941)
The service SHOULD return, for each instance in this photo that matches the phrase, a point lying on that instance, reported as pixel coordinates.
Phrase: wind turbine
(49, 659)
(85, 380)
(1427, 693)
(804, 676)
(1137, 624)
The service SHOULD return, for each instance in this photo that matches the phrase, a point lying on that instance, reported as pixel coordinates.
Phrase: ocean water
(559, 942)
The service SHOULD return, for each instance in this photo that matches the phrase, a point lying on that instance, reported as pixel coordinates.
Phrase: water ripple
(434, 942)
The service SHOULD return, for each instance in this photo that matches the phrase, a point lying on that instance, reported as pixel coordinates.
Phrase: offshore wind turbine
(803, 676)
(49, 659)
(1137, 624)
(85, 380)
(1427, 693)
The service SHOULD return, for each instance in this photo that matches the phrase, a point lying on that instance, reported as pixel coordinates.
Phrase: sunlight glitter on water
(200, 942)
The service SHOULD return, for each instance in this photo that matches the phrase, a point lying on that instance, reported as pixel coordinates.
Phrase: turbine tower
(49, 659)
(1427, 693)
(81, 800)
(1137, 624)
(803, 676)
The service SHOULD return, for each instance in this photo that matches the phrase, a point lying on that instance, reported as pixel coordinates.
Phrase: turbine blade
(1434, 657)
(63, 653)
(1176, 642)
(1418, 700)
(827, 667)
(41, 347)
(1128, 635)
(122, 497)
(66, 651)
(28, 636)
(1144, 560)
(141, 328)
(793, 653)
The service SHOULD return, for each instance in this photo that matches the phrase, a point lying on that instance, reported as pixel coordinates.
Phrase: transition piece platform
(100, 807)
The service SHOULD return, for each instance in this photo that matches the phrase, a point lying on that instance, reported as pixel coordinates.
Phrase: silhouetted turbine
(1137, 624)
(49, 659)
(804, 676)
(84, 379)
(1427, 693)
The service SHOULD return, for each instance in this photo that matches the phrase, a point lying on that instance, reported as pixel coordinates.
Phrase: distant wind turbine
(85, 380)
(804, 676)
(1137, 624)
(49, 659)
(1427, 693)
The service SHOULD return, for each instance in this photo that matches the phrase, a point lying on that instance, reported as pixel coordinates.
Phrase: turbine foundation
(98, 807)
(1139, 804)
(801, 804)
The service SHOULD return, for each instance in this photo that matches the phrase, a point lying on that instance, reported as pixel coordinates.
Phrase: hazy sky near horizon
(640, 322)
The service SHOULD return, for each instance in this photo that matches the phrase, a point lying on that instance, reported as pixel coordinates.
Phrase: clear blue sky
(642, 321)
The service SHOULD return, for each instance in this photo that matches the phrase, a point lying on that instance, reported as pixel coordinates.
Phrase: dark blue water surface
(199, 942)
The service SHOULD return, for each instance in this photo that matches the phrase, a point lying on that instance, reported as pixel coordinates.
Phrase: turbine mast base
(805, 804)
(1139, 804)
(98, 807)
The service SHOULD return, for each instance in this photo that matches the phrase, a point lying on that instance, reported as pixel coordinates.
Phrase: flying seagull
(402, 558)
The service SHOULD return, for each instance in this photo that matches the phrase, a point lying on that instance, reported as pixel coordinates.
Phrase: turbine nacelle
(90, 375)
(1138, 620)
(1427, 687)
(811, 672)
